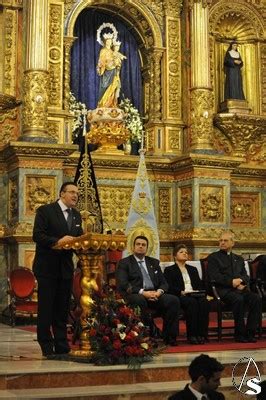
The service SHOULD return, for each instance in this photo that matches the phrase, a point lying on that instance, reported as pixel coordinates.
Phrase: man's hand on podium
(65, 240)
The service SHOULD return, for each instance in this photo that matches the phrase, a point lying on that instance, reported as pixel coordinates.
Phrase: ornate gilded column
(201, 91)
(68, 42)
(172, 88)
(154, 127)
(36, 77)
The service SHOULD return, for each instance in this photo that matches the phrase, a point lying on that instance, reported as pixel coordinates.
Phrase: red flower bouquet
(116, 333)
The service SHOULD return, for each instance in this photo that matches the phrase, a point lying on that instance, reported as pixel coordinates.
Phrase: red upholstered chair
(21, 287)
(112, 258)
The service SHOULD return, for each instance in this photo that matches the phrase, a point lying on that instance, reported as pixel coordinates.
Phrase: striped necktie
(147, 282)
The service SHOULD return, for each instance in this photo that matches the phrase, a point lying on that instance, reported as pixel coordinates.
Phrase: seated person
(205, 373)
(228, 271)
(261, 271)
(182, 278)
(141, 282)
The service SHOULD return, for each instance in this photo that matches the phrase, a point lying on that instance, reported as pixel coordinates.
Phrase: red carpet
(227, 343)
(214, 345)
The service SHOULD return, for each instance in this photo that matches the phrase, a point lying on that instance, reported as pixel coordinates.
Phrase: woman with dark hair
(233, 63)
(183, 279)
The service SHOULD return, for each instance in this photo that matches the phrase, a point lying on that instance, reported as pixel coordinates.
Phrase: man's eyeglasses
(71, 192)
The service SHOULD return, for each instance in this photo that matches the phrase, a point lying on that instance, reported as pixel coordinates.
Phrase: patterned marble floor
(20, 353)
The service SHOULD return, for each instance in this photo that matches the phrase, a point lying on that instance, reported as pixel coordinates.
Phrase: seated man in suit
(141, 282)
(228, 271)
(205, 373)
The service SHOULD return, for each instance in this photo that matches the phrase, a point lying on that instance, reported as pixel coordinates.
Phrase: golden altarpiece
(205, 156)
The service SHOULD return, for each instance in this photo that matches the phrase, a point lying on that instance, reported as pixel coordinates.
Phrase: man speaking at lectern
(55, 224)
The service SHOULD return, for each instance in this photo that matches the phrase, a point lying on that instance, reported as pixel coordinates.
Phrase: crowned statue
(108, 129)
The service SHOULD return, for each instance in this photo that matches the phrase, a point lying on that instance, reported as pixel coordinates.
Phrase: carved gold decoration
(90, 248)
(35, 103)
(54, 128)
(68, 42)
(107, 129)
(55, 54)
(173, 86)
(185, 205)
(245, 209)
(10, 55)
(68, 6)
(28, 258)
(165, 209)
(235, 106)
(155, 98)
(173, 7)
(7, 124)
(173, 139)
(211, 204)
(211, 235)
(8, 102)
(115, 203)
(20, 229)
(201, 119)
(238, 20)
(245, 133)
(39, 190)
(13, 200)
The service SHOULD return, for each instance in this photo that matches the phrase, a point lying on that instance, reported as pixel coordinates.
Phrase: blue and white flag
(141, 218)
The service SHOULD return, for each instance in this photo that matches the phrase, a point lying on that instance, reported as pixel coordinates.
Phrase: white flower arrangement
(133, 120)
(79, 111)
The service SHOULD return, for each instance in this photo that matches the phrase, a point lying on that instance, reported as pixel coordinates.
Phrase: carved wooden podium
(90, 249)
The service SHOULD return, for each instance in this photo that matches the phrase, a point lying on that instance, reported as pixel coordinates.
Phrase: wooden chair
(21, 287)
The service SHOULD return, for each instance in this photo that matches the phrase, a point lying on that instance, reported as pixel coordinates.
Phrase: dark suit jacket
(129, 277)
(175, 279)
(186, 394)
(49, 226)
(223, 268)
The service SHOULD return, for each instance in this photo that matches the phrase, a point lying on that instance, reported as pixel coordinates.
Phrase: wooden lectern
(90, 249)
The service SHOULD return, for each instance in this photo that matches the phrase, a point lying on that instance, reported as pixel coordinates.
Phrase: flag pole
(86, 166)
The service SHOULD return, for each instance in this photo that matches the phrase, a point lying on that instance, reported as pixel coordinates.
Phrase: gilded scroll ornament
(245, 132)
(115, 203)
(185, 205)
(39, 191)
(35, 100)
(55, 54)
(211, 204)
(13, 200)
(201, 118)
(165, 213)
(174, 69)
(245, 209)
(10, 56)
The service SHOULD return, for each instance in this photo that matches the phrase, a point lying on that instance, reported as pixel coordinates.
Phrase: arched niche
(242, 23)
(146, 30)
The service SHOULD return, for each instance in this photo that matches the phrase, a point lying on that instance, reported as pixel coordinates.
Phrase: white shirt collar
(197, 394)
(62, 205)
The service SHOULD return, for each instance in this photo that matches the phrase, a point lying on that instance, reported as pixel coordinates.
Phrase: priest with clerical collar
(228, 271)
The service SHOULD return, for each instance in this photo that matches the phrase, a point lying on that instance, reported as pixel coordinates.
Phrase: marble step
(137, 391)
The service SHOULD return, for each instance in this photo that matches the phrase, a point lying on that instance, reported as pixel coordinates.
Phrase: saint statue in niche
(233, 63)
(108, 67)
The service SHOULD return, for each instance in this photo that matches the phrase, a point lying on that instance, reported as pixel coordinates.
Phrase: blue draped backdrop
(84, 58)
